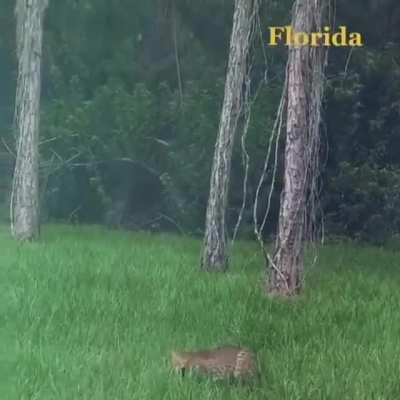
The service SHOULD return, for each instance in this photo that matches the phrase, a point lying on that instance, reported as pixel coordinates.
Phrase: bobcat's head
(179, 361)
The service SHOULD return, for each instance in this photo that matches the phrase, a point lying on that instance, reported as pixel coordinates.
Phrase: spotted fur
(220, 363)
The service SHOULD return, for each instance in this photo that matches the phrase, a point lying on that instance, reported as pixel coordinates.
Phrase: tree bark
(286, 267)
(214, 256)
(24, 207)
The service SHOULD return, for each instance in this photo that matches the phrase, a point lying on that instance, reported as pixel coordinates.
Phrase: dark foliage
(121, 148)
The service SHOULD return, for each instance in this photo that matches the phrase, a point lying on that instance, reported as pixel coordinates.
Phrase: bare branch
(8, 148)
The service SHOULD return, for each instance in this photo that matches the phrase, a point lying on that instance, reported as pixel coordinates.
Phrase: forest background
(121, 146)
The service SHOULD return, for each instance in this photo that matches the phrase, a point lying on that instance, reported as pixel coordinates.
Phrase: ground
(93, 314)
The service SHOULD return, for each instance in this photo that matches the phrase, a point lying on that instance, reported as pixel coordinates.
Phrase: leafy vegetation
(119, 145)
(97, 313)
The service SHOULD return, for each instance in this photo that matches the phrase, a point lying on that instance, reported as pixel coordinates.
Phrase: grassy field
(93, 314)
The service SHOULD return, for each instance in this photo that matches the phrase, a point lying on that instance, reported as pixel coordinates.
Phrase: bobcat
(221, 363)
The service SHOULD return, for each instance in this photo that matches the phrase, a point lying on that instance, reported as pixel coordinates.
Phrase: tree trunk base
(214, 262)
(284, 278)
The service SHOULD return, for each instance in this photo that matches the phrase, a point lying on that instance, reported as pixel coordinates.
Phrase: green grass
(95, 313)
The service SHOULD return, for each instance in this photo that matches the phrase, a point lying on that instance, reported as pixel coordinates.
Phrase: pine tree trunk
(214, 256)
(286, 267)
(24, 207)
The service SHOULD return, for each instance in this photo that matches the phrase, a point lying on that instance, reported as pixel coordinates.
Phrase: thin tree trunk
(176, 52)
(286, 267)
(24, 205)
(214, 256)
